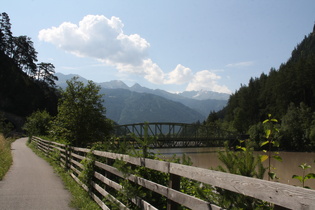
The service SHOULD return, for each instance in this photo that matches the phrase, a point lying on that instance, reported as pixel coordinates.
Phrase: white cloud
(98, 37)
(206, 80)
(241, 64)
(179, 75)
(101, 38)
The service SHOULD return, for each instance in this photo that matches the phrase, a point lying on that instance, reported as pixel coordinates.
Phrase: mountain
(126, 107)
(62, 79)
(114, 84)
(204, 95)
(189, 106)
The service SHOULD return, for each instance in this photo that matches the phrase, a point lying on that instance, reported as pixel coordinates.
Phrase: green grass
(80, 198)
(5, 155)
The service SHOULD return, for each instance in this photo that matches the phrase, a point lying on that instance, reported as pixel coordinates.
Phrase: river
(208, 158)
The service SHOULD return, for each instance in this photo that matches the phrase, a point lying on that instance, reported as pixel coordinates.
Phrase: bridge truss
(166, 135)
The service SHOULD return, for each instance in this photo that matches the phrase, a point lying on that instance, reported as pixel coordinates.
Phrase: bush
(38, 123)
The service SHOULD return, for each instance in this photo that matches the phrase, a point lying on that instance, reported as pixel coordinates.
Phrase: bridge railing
(106, 180)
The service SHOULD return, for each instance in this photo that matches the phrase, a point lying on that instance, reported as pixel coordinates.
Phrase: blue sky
(173, 45)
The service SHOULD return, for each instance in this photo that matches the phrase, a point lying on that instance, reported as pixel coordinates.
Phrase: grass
(5, 155)
(80, 198)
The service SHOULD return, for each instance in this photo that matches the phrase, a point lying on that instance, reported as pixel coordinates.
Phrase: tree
(81, 116)
(38, 123)
(25, 55)
(296, 128)
(46, 73)
(6, 38)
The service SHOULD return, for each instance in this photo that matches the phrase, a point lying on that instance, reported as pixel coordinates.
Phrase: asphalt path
(31, 183)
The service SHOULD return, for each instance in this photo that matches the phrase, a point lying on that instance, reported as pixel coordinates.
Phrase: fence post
(174, 183)
(67, 148)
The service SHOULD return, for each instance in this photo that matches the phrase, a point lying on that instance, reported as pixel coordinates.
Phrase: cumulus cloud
(98, 37)
(179, 75)
(102, 38)
(206, 80)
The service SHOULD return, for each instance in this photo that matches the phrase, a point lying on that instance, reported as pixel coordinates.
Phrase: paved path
(31, 183)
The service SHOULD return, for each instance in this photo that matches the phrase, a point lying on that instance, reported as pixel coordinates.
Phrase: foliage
(293, 82)
(38, 123)
(87, 173)
(304, 176)
(55, 155)
(131, 190)
(21, 92)
(296, 128)
(5, 155)
(46, 73)
(242, 162)
(271, 131)
(257, 133)
(5, 127)
(81, 116)
(80, 198)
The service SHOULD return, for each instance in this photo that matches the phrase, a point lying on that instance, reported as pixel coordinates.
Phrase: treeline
(288, 93)
(25, 84)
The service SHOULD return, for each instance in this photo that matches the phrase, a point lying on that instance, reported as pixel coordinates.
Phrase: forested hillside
(288, 93)
(25, 86)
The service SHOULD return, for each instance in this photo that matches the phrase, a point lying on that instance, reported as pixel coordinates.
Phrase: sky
(176, 45)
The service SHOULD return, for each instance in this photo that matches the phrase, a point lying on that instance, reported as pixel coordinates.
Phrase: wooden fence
(105, 177)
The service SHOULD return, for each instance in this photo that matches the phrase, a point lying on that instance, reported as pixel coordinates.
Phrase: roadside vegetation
(76, 116)
(5, 155)
(80, 198)
(5, 146)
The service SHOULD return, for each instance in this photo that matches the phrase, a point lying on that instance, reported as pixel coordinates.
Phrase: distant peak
(136, 85)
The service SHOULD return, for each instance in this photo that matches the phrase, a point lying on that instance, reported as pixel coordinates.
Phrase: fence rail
(106, 175)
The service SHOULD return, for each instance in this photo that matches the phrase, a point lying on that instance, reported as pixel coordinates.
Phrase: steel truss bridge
(171, 135)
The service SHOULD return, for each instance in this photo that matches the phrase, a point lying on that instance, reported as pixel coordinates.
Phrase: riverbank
(208, 158)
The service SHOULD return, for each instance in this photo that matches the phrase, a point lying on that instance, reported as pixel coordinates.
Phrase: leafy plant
(87, 174)
(144, 143)
(304, 176)
(270, 134)
(242, 162)
(55, 155)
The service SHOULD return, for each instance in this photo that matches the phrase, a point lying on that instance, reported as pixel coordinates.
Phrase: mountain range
(137, 104)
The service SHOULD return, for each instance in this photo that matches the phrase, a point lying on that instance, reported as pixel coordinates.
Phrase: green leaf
(264, 143)
(265, 151)
(242, 148)
(274, 120)
(268, 132)
(310, 176)
(277, 157)
(298, 178)
(276, 144)
(265, 121)
(263, 158)
(304, 166)
(272, 175)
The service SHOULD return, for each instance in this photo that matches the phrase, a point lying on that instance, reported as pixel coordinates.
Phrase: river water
(208, 158)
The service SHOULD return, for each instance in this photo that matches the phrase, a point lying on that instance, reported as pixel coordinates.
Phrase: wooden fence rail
(106, 176)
